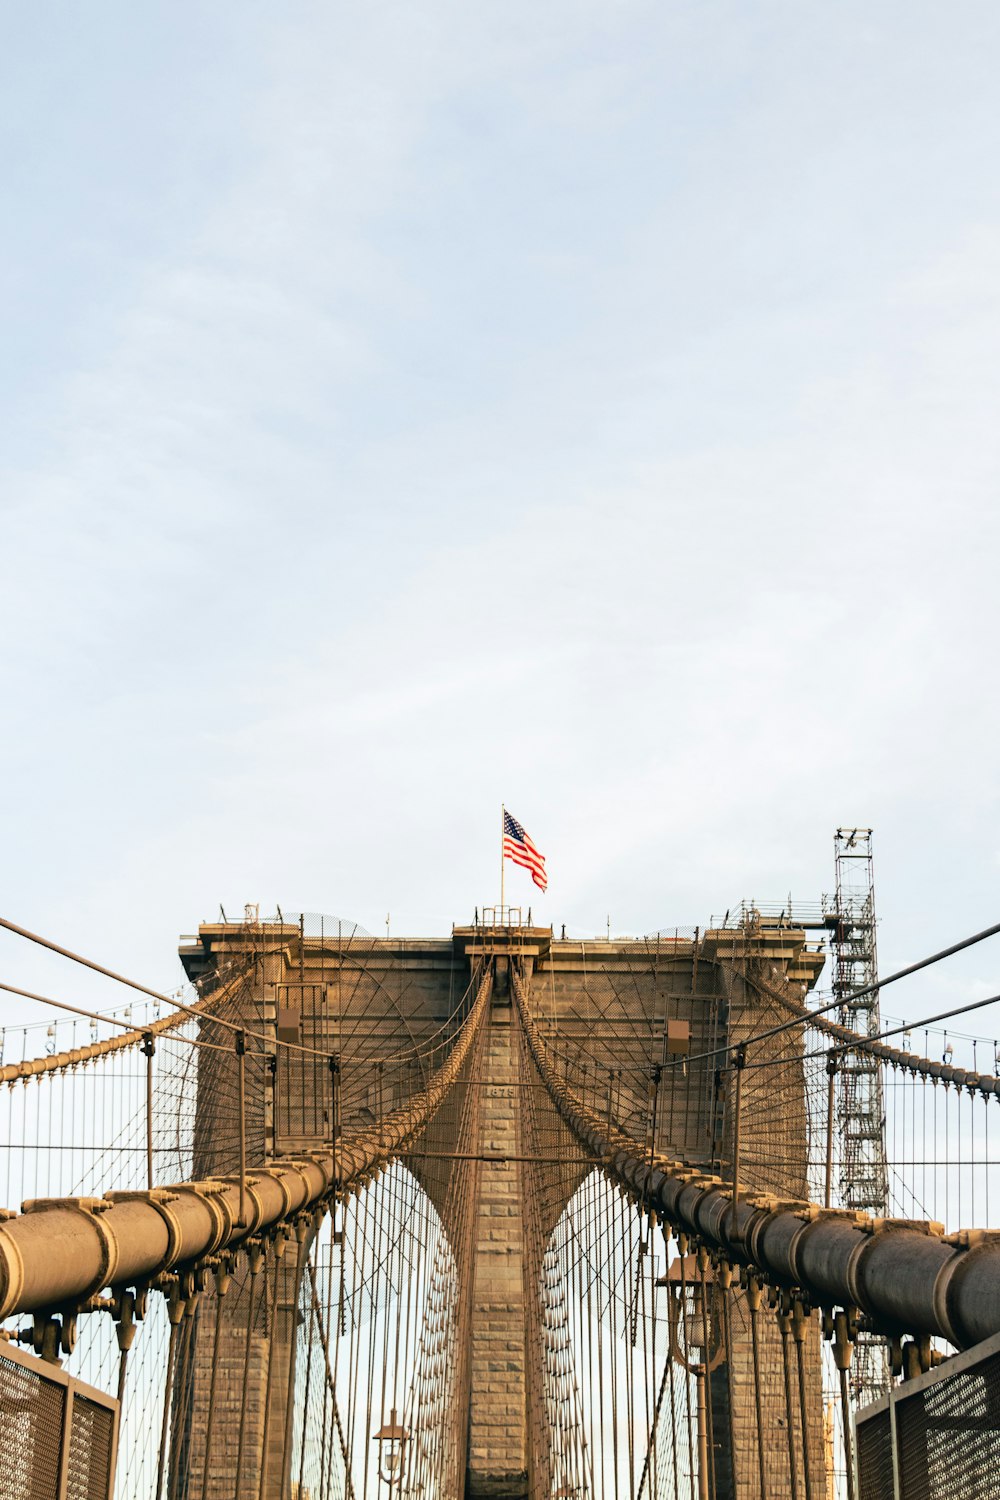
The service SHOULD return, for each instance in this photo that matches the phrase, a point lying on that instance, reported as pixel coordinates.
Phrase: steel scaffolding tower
(864, 1180)
(864, 1174)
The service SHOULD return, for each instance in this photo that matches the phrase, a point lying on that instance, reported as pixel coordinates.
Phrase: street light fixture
(391, 1437)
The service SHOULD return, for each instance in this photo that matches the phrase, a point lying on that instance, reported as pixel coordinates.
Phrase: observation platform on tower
(502, 933)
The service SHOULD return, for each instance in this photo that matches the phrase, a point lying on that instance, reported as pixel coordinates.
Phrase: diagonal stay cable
(843, 1000)
(133, 984)
(175, 1005)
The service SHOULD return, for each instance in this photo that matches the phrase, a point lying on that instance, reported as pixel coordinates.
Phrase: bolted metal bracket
(967, 1239)
(922, 1226)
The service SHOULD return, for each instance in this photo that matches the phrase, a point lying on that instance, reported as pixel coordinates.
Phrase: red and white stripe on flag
(518, 847)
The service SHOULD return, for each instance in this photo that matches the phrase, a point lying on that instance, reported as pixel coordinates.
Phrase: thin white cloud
(590, 408)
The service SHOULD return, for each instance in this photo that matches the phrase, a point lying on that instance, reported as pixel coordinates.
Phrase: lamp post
(392, 1438)
(694, 1326)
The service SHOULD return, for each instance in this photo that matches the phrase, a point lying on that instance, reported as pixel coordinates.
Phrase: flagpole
(503, 812)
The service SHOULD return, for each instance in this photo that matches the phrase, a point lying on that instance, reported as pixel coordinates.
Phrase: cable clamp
(93, 1209)
(921, 1226)
(159, 1200)
(968, 1239)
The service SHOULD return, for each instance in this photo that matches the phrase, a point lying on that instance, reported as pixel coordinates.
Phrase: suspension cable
(187, 1010)
(843, 1000)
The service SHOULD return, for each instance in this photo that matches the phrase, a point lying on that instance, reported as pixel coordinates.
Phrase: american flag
(518, 847)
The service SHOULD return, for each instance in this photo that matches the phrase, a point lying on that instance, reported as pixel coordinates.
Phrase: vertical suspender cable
(793, 1482)
(185, 1389)
(223, 1275)
(301, 1230)
(739, 1063)
(176, 1312)
(753, 1300)
(706, 1367)
(256, 1258)
(726, 1280)
(842, 1350)
(241, 1078)
(799, 1325)
(279, 1250)
(148, 1048)
(831, 1073)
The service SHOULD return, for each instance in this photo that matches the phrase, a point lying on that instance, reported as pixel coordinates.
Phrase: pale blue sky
(591, 406)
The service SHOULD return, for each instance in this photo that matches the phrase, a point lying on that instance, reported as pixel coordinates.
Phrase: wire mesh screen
(36, 1403)
(875, 1458)
(31, 1423)
(947, 1433)
(90, 1450)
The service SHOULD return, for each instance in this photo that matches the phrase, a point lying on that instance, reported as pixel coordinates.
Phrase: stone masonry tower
(609, 1000)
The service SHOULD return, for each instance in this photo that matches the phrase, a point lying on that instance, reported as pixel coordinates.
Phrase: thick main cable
(29, 1281)
(905, 1279)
